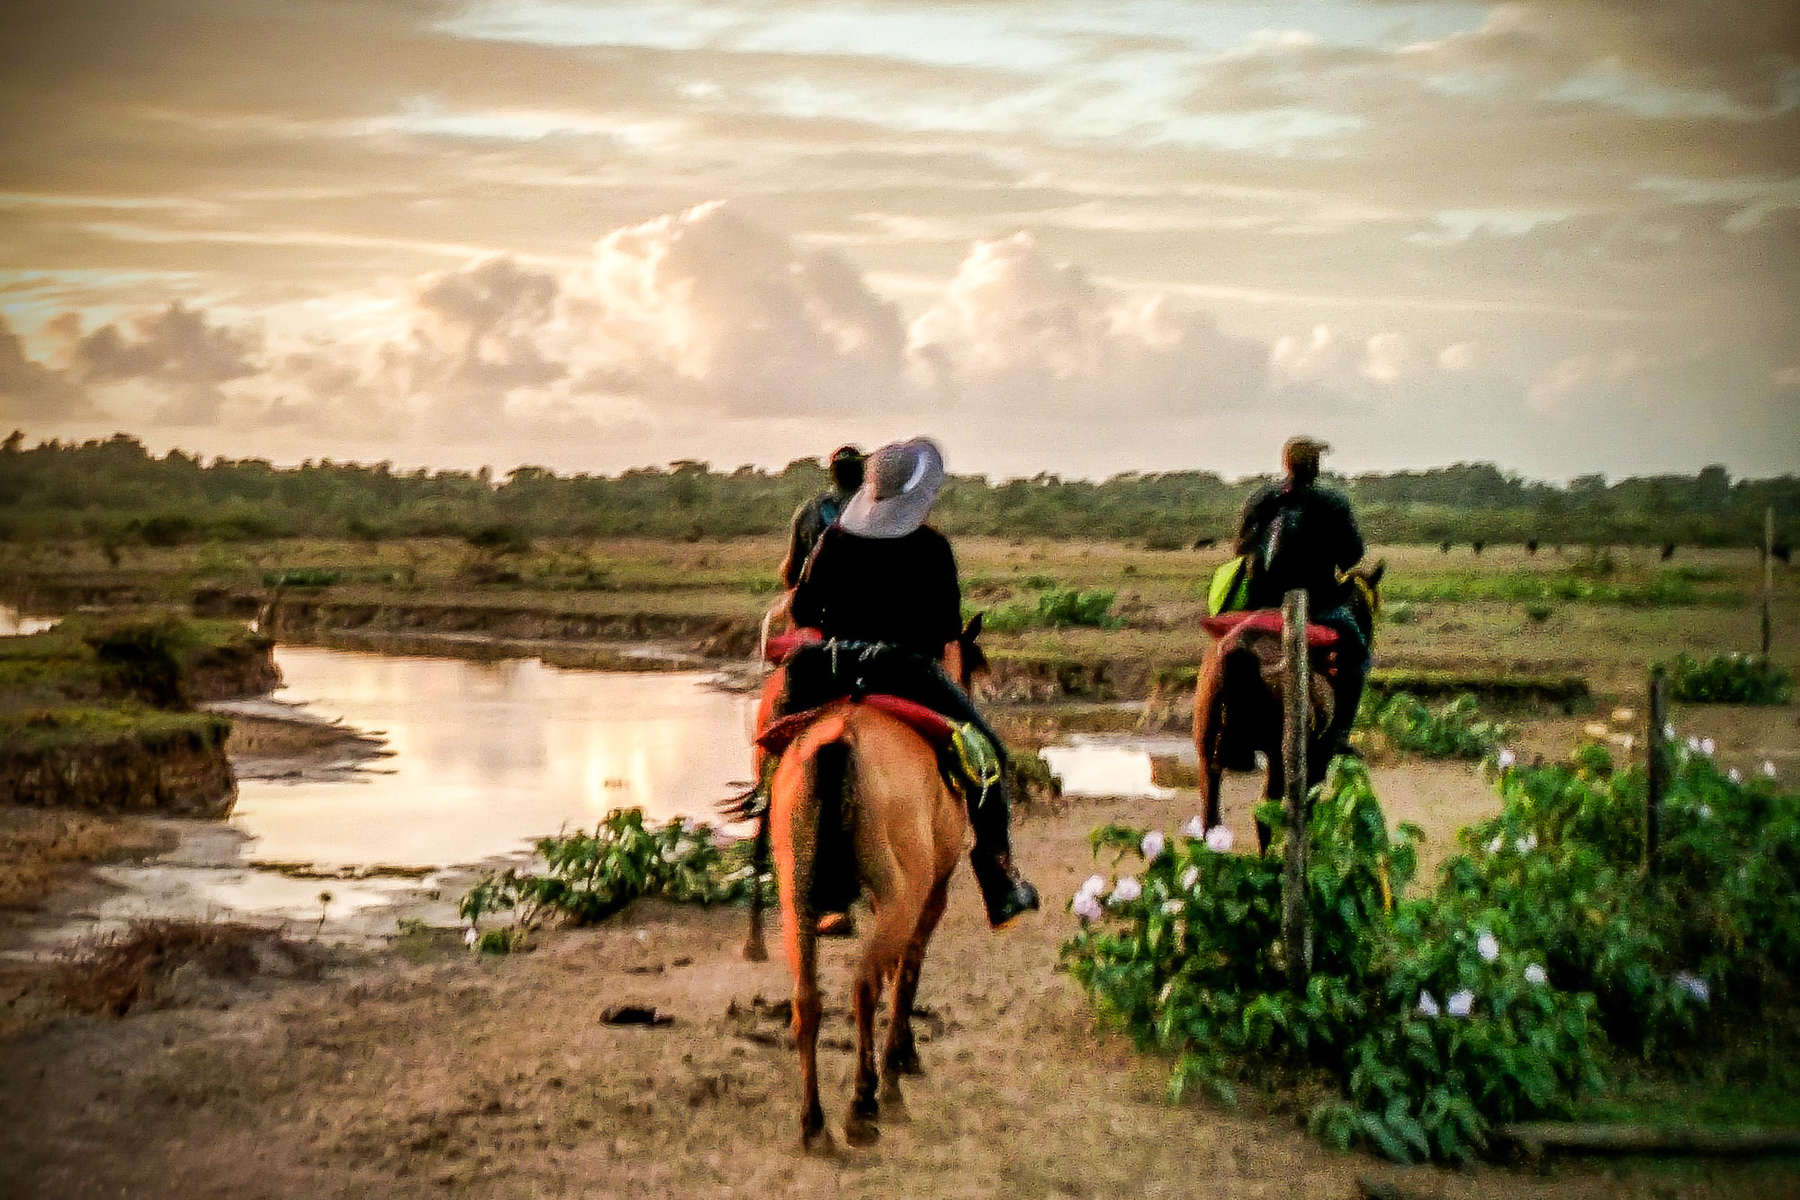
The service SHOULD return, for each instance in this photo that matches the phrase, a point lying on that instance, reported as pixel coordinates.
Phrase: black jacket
(902, 591)
(1299, 536)
(810, 520)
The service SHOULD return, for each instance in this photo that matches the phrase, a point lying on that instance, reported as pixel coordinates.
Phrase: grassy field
(1604, 615)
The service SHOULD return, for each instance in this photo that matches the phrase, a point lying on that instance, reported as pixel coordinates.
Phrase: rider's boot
(1005, 893)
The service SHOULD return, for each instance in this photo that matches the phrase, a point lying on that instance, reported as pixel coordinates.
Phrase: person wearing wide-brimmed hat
(817, 515)
(881, 577)
(1300, 534)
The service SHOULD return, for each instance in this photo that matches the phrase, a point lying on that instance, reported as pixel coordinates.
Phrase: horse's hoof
(893, 1104)
(905, 1064)
(819, 1144)
(756, 951)
(861, 1131)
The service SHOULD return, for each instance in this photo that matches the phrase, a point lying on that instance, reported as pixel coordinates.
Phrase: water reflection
(1092, 767)
(489, 755)
(13, 623)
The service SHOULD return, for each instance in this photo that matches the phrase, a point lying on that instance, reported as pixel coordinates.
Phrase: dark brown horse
(866, 783)
(1240, 703)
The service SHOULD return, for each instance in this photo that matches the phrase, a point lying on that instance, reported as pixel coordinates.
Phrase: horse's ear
(1377, 571)
(972, 630)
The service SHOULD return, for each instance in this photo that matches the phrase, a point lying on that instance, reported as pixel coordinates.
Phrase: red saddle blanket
(1264, 620)
(929, 724)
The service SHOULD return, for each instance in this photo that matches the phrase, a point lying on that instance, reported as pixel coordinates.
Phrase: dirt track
(462, 1076)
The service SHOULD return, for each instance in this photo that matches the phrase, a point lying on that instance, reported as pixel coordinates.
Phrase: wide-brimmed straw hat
(900, 483)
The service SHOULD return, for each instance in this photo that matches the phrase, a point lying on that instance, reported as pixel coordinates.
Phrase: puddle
(14, 623)
(1125, 767)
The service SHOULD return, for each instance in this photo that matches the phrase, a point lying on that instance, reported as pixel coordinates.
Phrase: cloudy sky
(1076, 236)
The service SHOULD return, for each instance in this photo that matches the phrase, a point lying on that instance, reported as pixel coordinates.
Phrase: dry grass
(36, 844)
(116, 973)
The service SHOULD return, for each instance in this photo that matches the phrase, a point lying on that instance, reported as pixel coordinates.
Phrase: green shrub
(500, 539)
(588, 877)
(1539, 611)
(1453, 730)
(1054, 608)
(1730, 679)
(1491, 999)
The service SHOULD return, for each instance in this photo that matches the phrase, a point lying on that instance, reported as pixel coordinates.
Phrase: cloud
(720, 312)
(30, 391)
(178, 350)
(1019, 332)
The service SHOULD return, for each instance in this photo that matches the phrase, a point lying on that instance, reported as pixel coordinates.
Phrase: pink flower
(1195, 828)
(1218, 839)
(1488, 946)
(1428, 1005)
(1152, 845)
(1126, 890)
(1534, 973)
(1461, 1004)
(1189, 878)
(1087, 906)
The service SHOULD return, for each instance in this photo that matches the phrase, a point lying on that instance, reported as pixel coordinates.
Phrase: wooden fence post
(1768, 596)
(1657, 780)
(1297, 672)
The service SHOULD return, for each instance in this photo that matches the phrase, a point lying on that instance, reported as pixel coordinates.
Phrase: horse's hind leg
(755, 950)
(807, 1011)
(887, 944)
(901, 1056)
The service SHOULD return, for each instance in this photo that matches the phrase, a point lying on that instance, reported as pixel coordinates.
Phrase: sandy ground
(425, 1071)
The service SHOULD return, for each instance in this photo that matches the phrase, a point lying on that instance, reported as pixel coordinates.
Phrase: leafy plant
(1493, 998)
(1453, 730)
(588, 877)
(1055, 607)
(1730, 679)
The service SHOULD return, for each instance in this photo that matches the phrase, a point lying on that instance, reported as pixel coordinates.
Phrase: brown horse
(1240, 704)
(865, 782)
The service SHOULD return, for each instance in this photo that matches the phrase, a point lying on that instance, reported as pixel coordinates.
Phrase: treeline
(114, 492)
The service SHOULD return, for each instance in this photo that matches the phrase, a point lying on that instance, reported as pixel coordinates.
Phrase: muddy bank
(181, 774)
(305, 618)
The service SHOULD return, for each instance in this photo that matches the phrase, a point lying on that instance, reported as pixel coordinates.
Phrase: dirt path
(461, 1076)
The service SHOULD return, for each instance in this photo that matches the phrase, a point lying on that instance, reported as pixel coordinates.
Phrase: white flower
(1628, 741)
(1087, 906)
(1693, 744)
(1190, 877)
(1488, 946)
(1152, 845)
(1735, 775)
(1195, 828)
(1526, 844)
(1493, 847)
(1693, 985)
(1172, 908)
(1707, 746)
(1461, 1004)
(1428, 1005)
(470, 937)
(1768, 768)
(1126, 890)
(1505, 759)
(1534, 973)
(1218, 839)
(1094, 885)
(1704, 811)
(1669, 733)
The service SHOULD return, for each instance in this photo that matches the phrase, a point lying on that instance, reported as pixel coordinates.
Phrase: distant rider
(1301, 534)
(882, 581)
(818, 514)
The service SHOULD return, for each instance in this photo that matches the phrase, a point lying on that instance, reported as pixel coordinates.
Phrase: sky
(1070, 236)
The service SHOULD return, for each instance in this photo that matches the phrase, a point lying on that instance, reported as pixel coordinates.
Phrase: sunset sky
(1059, 235)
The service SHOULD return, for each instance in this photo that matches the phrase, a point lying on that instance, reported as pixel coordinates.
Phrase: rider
(818, 514)
(1301, 534)
(882, 577)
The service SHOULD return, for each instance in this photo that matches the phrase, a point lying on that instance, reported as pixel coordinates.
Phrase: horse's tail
(831, 784)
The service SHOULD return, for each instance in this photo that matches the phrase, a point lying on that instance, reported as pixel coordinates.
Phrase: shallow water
(1103, 765)
(13, 623)
(485, 758)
